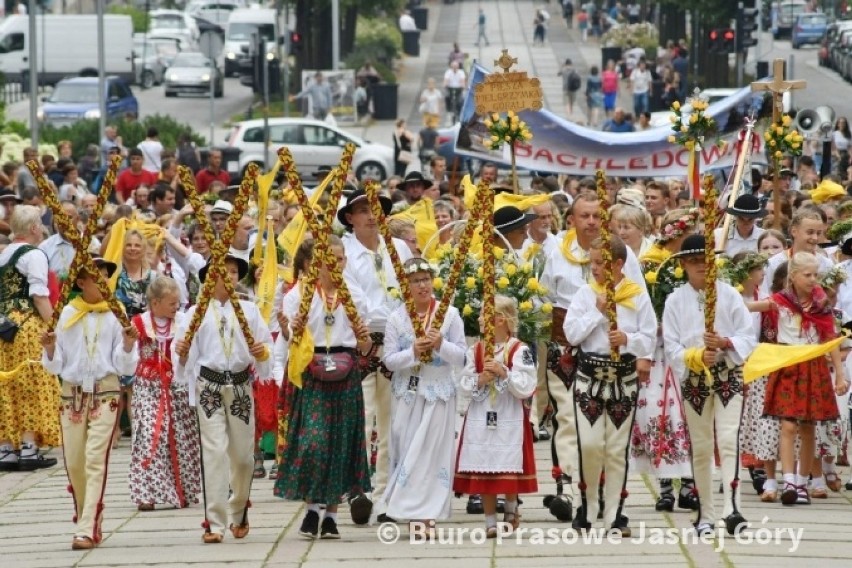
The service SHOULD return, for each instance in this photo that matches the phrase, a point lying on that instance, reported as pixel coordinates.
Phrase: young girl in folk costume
(89, 350)
(165, 459)
(605, 390)
(708, 366)
(660, 443)
(495, 455)
(325, 453)
(423, 406)
(758, 434)
(218, 366)
(806, 231)
(802, 394)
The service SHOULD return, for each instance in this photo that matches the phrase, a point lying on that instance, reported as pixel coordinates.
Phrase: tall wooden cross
(777, 86)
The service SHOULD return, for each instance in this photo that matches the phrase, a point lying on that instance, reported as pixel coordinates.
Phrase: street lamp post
(335, 34)
(102, 120)
(33, 57)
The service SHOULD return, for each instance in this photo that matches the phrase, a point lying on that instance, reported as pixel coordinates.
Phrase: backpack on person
(188, 157)
(574, 81)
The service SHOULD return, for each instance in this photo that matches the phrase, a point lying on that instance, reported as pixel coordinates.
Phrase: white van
(243, 24)
(67, 45)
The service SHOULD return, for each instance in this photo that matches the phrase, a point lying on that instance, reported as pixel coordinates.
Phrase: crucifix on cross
(777, 87)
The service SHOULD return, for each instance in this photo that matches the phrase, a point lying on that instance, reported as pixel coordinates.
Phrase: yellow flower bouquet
(781, 139)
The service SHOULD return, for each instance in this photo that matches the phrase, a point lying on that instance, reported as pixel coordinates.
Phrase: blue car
(76, 99)
(808, 28)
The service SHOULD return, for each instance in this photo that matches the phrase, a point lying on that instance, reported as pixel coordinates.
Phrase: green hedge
(139, 17)
(379, 41)
(86, 132)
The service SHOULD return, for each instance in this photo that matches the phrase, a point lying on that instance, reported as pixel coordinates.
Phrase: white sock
(490, 521)
(802, 480)
(28, 450)
(770, 485)
(790, 478)
(332, 516)
(818, 483)
(314, 507)
(9, 453)
(828, 467)
(510, 506)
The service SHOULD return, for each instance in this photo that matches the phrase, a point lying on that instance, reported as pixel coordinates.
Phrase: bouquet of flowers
(781, 139)
(662, 279)
(506, 130)
(690, 129)
(514, 278)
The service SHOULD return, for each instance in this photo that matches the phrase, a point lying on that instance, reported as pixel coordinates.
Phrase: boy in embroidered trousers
(709, 368)
(218, 368)
(605, 390)
(89, 350)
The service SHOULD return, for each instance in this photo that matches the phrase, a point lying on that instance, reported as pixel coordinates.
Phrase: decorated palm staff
(606, 386)
(710, 252)
(708, 365)
(606, 253)
(487, 331)
(302, 343)
(215, 347)
(82, 257)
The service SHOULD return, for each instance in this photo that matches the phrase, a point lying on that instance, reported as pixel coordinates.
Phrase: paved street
(36, 510)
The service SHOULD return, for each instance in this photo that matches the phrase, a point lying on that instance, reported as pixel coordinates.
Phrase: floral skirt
(324, 454)
(759, 434)
(29, 401)
(802, 392)
(171, 472)
(500, 483)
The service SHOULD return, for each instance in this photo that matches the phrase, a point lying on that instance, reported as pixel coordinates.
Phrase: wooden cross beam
(70, 232)
(219, 248)
(777, 86)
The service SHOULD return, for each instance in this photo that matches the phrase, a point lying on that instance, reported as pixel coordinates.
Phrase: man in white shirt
(640, 83)
(370, 276)
(407, 23)
(606, 390)
(152, 150)
(455, 81)
(217, 367)
(744, 233)
(708, 367)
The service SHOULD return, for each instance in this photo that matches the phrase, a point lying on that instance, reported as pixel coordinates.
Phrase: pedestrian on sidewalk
(594, 96)
(403, 141)
(568, 13)
(431, 103)
(319, 95)
(640, 84)
(455, 81)
(165, 459)
(609, 84)
(89, 350)
(571, 83)
(481, 22)
(539, 28)
(583, 24)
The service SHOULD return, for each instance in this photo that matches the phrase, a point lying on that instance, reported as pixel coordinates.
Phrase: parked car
(157, 56)
(313, 143)
(808, 28)
(841, 53)
(788, 10)
(173, 22)
(832, 33)
(193, 72)
(77, 98)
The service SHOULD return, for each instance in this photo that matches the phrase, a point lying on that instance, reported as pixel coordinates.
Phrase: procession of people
(392, 397)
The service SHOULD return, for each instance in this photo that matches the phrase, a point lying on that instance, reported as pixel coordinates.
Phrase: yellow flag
(522, 202)
(423, 216)
(268, 278)
(291, 237)
(264, 187)
(115, 247)
(769, 357)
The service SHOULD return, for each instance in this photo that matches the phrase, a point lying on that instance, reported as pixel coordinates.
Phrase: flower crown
(839, 230)
(419, 266)
(736, 273)
(833, 278)
(679, 227)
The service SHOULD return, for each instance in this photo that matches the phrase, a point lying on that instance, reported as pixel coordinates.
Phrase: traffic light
(714, 41)
(295, 43)
(746, 27)
(729, 41)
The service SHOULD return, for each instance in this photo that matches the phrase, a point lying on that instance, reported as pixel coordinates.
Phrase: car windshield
(169, 22)
(190, 60)
(241, 31)
(813, 20)
(74, 93)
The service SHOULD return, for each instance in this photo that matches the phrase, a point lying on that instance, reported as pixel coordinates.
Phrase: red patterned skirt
(803, 391)
(500, 483)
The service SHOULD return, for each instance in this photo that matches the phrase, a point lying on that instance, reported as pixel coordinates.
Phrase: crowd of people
(405, 391)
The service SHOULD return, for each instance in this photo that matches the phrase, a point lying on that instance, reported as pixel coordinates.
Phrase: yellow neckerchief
(694, 359)
(657, 254)
(83, 307)
(626, 290)
(567, 241)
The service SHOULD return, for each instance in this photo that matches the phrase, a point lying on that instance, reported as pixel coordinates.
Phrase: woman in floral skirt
(165, 459)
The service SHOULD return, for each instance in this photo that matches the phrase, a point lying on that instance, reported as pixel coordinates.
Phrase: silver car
(157, 57)
(193, 72)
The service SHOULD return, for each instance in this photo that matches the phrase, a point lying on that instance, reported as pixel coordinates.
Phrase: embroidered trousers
(226, 424)
(540, 398)
(563, 445)
(377, 404)
(87, 424)
(604, 412)
(708, 408)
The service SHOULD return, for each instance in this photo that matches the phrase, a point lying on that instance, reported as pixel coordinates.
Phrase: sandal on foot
(512, 519)
(832, 480)
(240, 531)
(790, 494)
(145, 507)
(212, 538)
(666, 502)
(769, 496)
(82, 543)
(819, 493)
(259, 470)
(491, 532)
